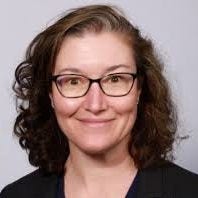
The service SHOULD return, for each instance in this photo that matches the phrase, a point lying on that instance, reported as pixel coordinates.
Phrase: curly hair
(154, 132)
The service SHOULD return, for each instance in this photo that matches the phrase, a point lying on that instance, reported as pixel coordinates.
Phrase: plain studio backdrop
(171, 24)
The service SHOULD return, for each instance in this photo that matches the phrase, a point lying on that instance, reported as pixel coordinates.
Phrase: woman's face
(95, 123)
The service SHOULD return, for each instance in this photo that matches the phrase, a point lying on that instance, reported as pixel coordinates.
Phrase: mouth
(95, 122)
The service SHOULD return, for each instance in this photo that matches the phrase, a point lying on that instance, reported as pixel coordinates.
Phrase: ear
(52, 100)
(138, 94)
(139, 87)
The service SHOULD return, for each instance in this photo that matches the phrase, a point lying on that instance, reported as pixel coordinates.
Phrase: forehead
(94, 53)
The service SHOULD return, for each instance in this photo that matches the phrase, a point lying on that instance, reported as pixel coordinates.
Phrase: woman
(95, 113)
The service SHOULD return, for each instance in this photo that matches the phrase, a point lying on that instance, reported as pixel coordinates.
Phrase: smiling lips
(95, 122)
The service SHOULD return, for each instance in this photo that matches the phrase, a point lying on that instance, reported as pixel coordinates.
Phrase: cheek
(64, 109)
(126, 105)
(64, 106)
(126, 111)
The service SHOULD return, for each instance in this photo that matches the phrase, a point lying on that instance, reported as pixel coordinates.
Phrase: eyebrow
(114, 67)
(70, 69)
(76, 70)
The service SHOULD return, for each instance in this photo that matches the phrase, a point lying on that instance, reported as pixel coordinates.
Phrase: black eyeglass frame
(98, 80)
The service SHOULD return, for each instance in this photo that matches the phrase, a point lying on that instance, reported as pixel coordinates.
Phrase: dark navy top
(132, 192)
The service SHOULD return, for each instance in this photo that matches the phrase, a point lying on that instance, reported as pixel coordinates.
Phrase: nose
(95, 99)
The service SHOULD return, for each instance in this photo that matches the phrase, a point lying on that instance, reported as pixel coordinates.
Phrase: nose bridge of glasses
(95, 94)
(97, 81)
(95, 100)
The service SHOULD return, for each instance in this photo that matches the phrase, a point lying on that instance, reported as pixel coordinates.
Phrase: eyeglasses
(75, 86)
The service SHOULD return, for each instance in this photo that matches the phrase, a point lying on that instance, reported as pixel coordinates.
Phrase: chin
(99, 144)
(98, 148)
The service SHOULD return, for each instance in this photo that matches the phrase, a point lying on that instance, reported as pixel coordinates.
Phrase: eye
(117, 79)
(69, 80)
(114, 78)
(73, 81)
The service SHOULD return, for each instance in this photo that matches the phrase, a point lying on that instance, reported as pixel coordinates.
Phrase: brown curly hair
(36, 126)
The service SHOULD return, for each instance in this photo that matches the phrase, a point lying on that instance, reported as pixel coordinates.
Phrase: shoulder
(181, 179)
(172, 179)
(34, 184)
(175, 172)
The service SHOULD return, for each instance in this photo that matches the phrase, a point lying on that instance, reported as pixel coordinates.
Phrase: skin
(97, 126)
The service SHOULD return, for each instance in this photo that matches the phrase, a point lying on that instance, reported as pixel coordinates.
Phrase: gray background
(173, 27)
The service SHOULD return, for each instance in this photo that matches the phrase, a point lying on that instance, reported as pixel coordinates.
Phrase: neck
(111, 166)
